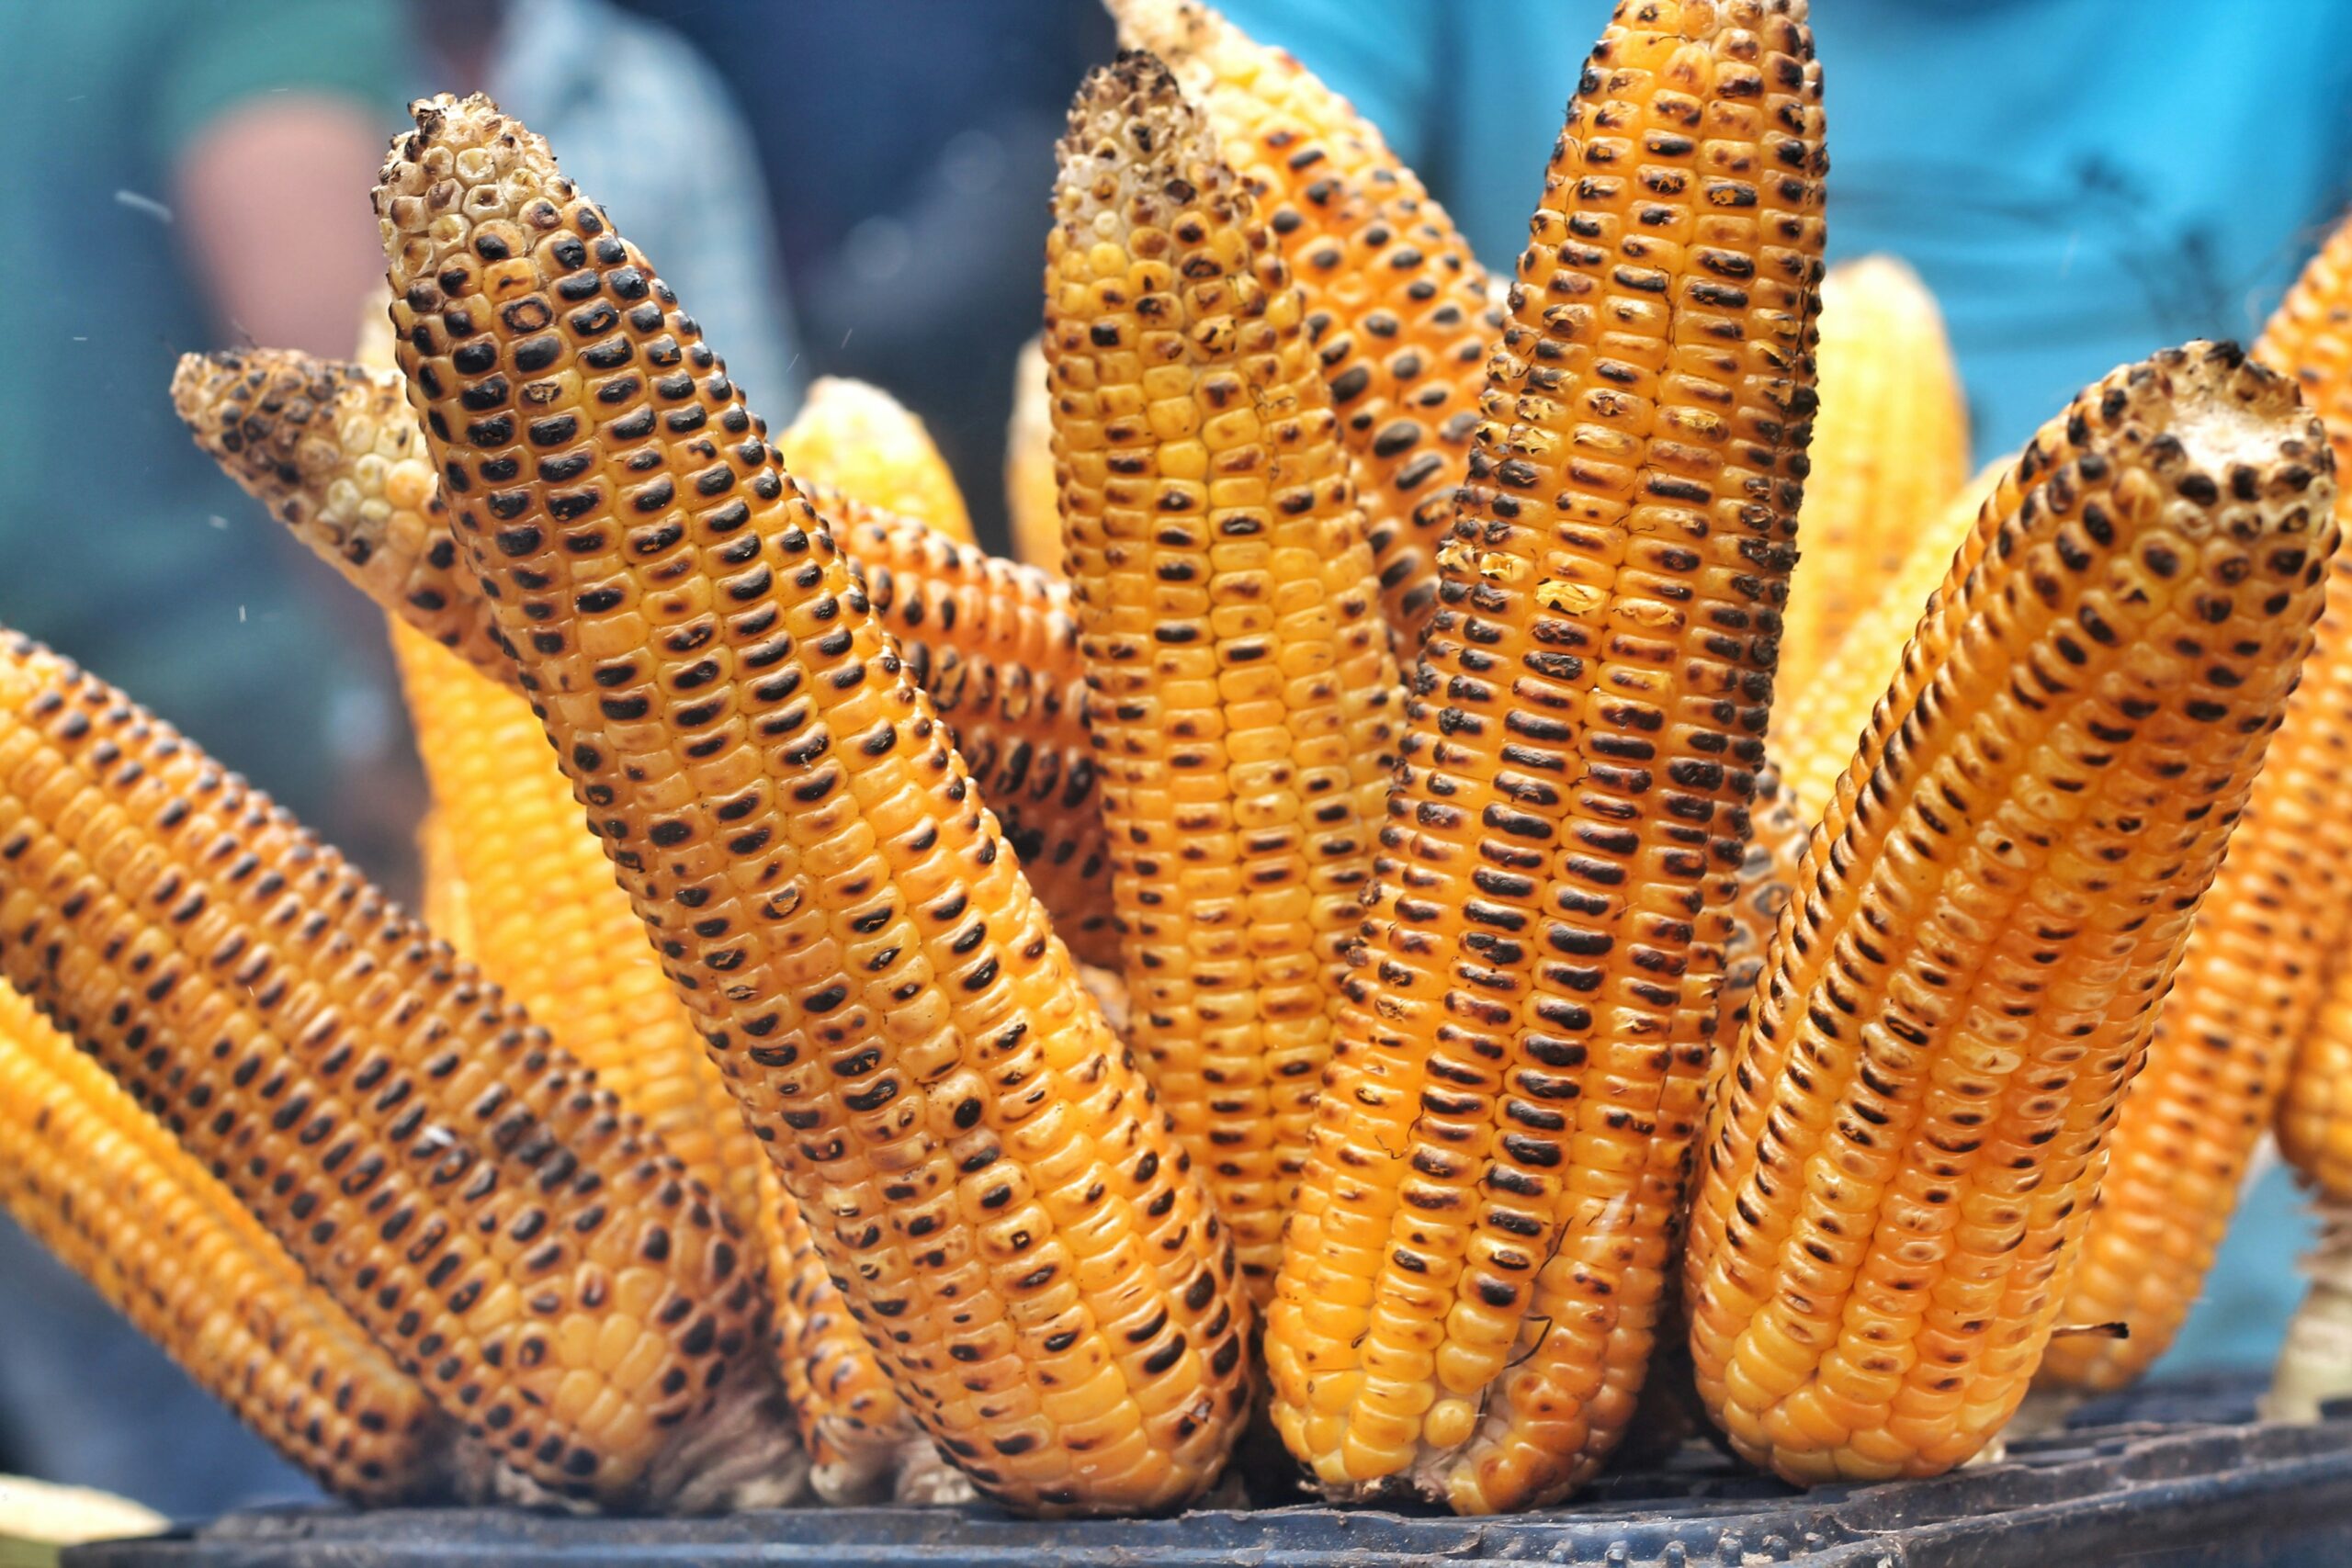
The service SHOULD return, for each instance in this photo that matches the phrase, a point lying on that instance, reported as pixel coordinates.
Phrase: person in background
(2032, 159)
(648, 127)
(190, 175)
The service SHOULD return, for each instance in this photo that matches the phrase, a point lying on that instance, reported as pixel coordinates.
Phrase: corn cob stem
(334, 451)
(2315, 1362)
(1889, 452)
(101, 1184)
(856, 438)
(1899, 1168)
(1242, 698)
(986, 1178)
(1397, 307)
(1476, 1266)
(500, 1225)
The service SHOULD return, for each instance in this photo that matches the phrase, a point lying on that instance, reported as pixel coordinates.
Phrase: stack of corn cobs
(1478, 1021)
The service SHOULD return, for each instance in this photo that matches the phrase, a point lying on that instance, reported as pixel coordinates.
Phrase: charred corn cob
(1031, 498)
(1898, 1170)
(1815, 733)
(101, 1184)
(1001, 635)
(982, 1171)
(334, 454)
(496, 1221)
(1889, 452)
(996, 647)
(2250, 988)
(1243, 701)
(859, 439)
(1474, 1274)
(554, 929)
(1397, 307)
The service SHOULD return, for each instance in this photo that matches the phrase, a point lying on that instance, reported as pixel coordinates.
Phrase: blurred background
(858, 187)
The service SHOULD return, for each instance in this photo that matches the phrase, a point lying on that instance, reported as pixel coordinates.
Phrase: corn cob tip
(2225, 411)
(266, 416)
(461, 147)
(1136, 152)
(1170, 29)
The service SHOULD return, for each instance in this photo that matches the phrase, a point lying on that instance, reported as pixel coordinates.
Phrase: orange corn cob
(2249, 992)
(303, 435)
(1898, 1170)
(98, 1182)
(859, 439)
(333, 454)
(1397, 306)
(988, 1178)
(553, 928)
(1889, 452)
(1815, 732)
(2314, 1114)
(500, 1225)
(1031, 498)
(1242, 696)
(1475, 1270)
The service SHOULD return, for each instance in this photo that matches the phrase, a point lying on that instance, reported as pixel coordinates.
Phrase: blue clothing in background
(2079, 183)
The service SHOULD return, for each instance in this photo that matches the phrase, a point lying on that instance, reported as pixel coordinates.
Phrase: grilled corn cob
(496, 1222)
(1768, 873)
(332, 452)
(1031, 497)
(1899, 1168)
(1474, 1267)
(1889, 451)
(984, 1174)
(1815, 733)
(2249, 992)
(558, 932)
(304, 435)
(1397, 306)
(860, 440)
(101, 1184)
(1243, 700)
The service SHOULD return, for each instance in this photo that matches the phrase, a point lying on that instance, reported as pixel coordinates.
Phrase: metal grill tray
(2177, 1474)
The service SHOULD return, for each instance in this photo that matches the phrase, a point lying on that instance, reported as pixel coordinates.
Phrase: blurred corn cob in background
(1478, 1260)
(983, 1173)
(1032, 499)
(1897, 1172)
(503, 1229)
(1397, 305)
(863, 442)
(1889, 451)
(102, 1185)
(2249, 988)
(1243, 701)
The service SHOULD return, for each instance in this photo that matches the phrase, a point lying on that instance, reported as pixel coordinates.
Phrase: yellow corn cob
(861, 440)
(1031, 498)
(501, 1226)
(332, 452)
(1242, 698)
(101, 1184)
(1009, 648)
(1397, 306)
(1899, 1168)
(995, 645)
(2309, 336)
(557, 933)
(1814, 731)
(1889, 450)
(1475, 1268)
(984, 1173)
(446, 911)
(2249, 993)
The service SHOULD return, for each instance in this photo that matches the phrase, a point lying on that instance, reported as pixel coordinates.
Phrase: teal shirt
(2081, 181)
(118, 542)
